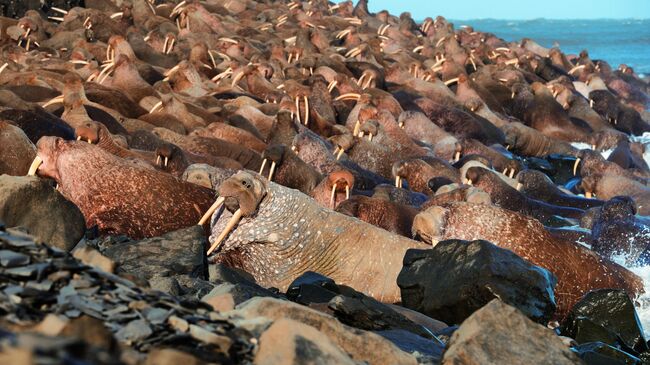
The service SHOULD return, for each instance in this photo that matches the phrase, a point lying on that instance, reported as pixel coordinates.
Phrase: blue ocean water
(613, 40)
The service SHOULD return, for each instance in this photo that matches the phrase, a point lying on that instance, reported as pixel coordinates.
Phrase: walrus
(527, 141)
(535, 184)
(577, 268)
(119, 196)
(393, 217)
(17, 150)
(616, 231)
(505, 196)
(607, 186)
(276, 234)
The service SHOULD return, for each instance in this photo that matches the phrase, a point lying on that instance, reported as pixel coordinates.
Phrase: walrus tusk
(575, 167)
(171, 46)
(294, 148)
(272, 171)
(155, 107)
(591, 103)
(469, 182)
(361, 134)
(298, 110)
(576, 69)
(512, 173)
(368, 82)
(116, 15)
(78, 138)
(332, 85)
(263, 166)
(519, 186)
(58, 10)
(347, 191)
(6, 64)
(338, 156)
(166, 161)
(457, 156)
(417, 49)
(211, 211)
(357, 125)
(56, 100)
(239, 76)
(333, 196)
(398, 181)
(158, 160)
(165, 45)
(370, 137)
(451, 81)
(306, 109)
(471, 59)
(588, 194)
(34, 166)
(505, 171)
(229, 227)
(512, 96)
(348, 96)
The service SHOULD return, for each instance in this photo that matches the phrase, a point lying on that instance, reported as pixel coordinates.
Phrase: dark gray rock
(32, 203)
(501, 334)
(602, 315)
(177, 255)
(456, 278)
(598, 353)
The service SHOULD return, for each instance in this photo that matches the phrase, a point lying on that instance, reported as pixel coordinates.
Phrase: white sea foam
(643, 301)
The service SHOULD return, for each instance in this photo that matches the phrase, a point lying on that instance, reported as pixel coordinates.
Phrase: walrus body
(289, 234)
(120, 196)
(577, 268)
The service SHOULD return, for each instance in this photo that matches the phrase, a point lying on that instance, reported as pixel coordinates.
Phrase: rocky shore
(271, 182)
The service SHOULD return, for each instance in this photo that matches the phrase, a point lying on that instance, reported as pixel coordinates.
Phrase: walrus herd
(313, 136)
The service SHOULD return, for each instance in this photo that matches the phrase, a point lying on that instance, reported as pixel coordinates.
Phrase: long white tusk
(3, 67)
(306, 109)
(451, 81)
(332, 85)
(59, 10)
(78, 138)
(56, 100)
(272, 171)
(512, 173)
(231, 224)
(158, 160)
(575, 167)
(348, 96)
(347, 191)
(35, 165)
(338, 155)
(298, 110)
(155, 107)
(211, 211)
(398, 181)
(357, 125)
(166, 161)
(457, 156)
(576, 69)
(333, 196)
(263, 165)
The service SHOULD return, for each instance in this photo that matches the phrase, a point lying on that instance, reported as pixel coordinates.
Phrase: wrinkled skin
(288, 234)
(536, 185)
(577, 268)
(384, 214)
(120, 196)
(608, 186)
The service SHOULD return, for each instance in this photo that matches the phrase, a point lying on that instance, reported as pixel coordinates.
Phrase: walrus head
(429, 225)
(47, 153)
(89, 132)
(241, 194)
(589, 184)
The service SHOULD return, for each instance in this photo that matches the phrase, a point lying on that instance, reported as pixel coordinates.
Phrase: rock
(17, 151)
(598, 353)
(165, 284)
(424, 350)
(501, 334)
(179, 254)
(225, 297)
(291, 342)
(134, 331)
(602, 315)
(222, 342)
(30, 202)
(456, 278)
(360, 345)
(12, 259)
(92, 257)
(171, 357)
(220, 273)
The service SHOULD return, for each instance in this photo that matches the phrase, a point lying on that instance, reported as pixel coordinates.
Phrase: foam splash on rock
(642, 301)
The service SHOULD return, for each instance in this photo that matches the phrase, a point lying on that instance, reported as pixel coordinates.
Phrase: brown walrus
(577, 268)
(119, 196)
(276, 234)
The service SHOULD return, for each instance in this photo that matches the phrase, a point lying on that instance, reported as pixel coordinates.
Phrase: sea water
(613, 40)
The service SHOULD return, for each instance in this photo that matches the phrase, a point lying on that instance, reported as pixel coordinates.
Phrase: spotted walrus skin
(120, 196)
(284, 233)
(577, 268)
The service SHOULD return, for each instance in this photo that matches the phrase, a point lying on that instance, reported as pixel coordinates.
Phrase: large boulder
(361, 346)
(17, 152)
(501, 334)
(605, 315)
(174, 262)
(598, 353)
(455, 278)
(32, 203)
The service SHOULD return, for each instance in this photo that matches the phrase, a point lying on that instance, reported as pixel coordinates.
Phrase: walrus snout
(429, 225)
(44, 162)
